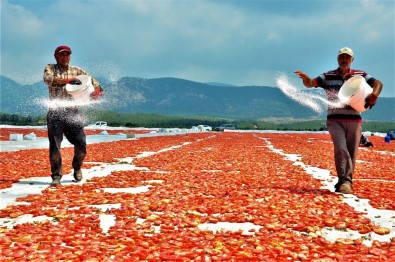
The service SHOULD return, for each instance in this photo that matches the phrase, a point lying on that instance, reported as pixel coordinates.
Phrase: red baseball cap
(62, 48)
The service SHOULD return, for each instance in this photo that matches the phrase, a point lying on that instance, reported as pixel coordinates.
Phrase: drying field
(209, 196)
(42, 132)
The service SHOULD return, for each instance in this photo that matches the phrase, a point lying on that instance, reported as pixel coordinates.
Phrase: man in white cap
(65, 120)
(344, 123)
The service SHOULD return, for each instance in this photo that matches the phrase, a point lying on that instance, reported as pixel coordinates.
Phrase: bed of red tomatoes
(42, 131)
(200, 178)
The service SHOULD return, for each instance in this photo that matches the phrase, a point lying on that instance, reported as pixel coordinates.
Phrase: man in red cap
(65, 120)
(344, 123)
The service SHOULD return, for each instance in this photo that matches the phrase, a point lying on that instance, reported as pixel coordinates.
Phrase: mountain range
(173, 96)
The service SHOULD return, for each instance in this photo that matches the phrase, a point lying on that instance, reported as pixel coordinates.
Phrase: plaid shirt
(56, 71)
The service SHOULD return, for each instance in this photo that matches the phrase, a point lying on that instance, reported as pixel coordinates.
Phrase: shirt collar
(350, 72)
(63, 68)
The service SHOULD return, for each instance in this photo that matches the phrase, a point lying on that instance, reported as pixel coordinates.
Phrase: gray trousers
(68, 122)
(345, 137)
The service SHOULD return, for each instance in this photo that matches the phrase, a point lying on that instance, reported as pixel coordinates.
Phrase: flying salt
(58, 103)
(313, 101)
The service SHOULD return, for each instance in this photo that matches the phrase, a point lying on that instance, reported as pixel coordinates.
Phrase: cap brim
(346, 54)
(64, 50)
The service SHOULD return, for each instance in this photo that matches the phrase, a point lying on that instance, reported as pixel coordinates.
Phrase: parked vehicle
(99, 124)
(323, 127)
(204, 128)
(225, 127)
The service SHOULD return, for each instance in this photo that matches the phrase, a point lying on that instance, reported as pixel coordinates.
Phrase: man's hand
(73, 81)
(370, 101)
(307, 81)
(95, 95)
(301, 74)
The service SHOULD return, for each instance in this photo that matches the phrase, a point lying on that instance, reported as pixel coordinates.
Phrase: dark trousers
(345, 137)
(68, 122)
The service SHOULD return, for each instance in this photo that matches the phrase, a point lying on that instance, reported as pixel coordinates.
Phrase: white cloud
(17, 21)
(230, 41)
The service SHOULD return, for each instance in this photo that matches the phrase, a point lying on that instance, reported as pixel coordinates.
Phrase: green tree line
(21, 120)
(163, 121)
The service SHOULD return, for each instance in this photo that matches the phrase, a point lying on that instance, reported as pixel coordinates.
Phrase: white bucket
(81, 92)
(354, 91)
(16, 137)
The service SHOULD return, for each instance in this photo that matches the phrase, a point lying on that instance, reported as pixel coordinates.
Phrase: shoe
(345, 188)
(337, 187)
(56, 180)
(77, 175)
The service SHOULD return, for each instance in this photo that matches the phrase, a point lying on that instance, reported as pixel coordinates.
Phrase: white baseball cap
(346, 50)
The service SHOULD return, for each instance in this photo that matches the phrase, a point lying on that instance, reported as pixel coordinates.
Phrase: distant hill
(173, 96)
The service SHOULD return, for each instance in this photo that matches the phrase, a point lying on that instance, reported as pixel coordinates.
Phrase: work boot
(56, 180)
(345, 188)
(77, 175)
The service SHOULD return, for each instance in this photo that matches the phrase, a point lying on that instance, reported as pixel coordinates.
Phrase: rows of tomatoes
(13, 165)
(374, 171)
(42, 132)
(203, 178)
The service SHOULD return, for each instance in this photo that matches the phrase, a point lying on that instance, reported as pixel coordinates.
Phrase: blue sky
(241, 42)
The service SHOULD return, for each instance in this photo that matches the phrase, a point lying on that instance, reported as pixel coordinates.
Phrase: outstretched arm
(307, 81)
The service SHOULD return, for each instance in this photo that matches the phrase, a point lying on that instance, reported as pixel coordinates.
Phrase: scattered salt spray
(58, 103)
(315, 102)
